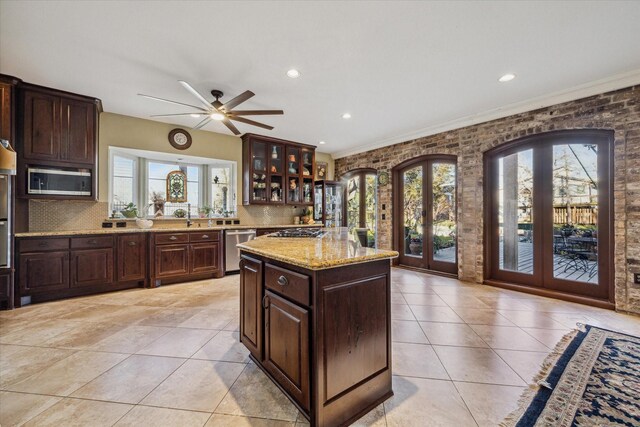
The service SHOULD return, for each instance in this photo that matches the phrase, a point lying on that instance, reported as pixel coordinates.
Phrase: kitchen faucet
(189, 215)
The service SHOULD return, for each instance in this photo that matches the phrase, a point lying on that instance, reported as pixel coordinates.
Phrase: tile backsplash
(56, 215)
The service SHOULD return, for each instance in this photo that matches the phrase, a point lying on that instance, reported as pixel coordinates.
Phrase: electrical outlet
(384, 216)
(636, 278)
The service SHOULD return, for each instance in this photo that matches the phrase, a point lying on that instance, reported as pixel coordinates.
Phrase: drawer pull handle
(265, 301)
(205, 236)
(43, 244)
(132, 243)
(283, 281)
(173, 238)
(92, 242)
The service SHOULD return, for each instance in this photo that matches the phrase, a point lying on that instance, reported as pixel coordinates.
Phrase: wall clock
(180, 139)
(383, 178)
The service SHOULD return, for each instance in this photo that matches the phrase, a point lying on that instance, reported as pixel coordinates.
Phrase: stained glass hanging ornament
(176, 187)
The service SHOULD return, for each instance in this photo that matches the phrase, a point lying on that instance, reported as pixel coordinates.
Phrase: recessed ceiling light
(217, 116)
(293, 73)
(322, 143)
(195, 115)
(346, 116)
(507, 78)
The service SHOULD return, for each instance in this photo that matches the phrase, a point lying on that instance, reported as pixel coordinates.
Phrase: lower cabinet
(131, 251)
(286, 346)
(43, 272)
(172, 260)
(204, 257)
(91, 267)
(251, 305)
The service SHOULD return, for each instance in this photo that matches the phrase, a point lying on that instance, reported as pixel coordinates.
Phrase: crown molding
(618, 81)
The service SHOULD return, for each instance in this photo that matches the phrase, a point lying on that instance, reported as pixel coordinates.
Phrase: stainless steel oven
(59, 182)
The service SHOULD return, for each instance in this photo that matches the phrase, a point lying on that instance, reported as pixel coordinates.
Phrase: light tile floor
(462, 354)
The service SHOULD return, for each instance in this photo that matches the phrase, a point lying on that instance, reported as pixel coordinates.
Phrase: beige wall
(326, 157)
(130, 132)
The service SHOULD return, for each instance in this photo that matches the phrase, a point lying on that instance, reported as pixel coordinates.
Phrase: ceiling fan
(216, 110)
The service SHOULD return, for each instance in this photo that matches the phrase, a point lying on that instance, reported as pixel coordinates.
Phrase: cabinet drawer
(38, 245)
(207, 236)
(171, 238)
(288, 283)
(91, 242)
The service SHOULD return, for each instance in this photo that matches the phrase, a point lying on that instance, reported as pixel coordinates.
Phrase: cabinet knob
(131, 243)
(205, 236)
(173, 238)
(283, 281)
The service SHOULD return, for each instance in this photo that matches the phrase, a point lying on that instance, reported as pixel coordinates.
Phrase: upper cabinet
(276, 171)
(56, 130)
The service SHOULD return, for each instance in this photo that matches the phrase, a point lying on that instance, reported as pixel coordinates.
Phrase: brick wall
(618, 110)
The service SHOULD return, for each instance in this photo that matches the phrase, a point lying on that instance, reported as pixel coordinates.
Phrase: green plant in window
(129, 211)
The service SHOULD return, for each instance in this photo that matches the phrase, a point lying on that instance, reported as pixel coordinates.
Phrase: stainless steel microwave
(59, 182)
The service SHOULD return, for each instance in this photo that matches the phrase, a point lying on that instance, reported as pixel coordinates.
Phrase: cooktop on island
(298, 232)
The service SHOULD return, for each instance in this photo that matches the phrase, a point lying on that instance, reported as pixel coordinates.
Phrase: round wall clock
(383, 178)
(180, 139)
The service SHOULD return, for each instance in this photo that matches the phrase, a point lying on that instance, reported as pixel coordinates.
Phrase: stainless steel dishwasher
(232, 253)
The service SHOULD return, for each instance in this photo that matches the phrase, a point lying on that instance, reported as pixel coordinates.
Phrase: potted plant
(180, 213)
(130, 211)
(305, 218)
(415, 245)
(157, 198)
(205, 211)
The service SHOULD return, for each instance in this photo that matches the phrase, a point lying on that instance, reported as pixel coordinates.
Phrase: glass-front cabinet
(276, 171)
(327, 207)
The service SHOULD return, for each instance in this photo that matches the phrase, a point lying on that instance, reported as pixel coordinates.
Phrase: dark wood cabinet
(251, 305)
(286, 346)
(91, 267)
(56, 129)
(276, 171)
(131, 253)
(204, 257)
(172, 260)
(43, 272)
(185, 255)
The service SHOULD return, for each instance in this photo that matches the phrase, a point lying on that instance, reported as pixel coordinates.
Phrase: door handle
(265, 302)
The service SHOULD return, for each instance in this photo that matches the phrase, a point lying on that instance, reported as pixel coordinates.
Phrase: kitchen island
(315, 315)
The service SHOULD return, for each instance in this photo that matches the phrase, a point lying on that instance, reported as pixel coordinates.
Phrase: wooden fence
(579, 214)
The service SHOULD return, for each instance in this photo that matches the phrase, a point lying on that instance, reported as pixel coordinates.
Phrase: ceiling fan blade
(255, 112)
(195, 93)
(202, 123)
(172, 102)
(231, 127)
(250, 122)
(228, 106)
(179, 114)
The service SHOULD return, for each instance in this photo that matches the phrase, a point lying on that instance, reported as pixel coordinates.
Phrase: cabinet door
(43, 272)
(5, 113)
(204, 257)
(41, 126)
(132, 257)
(77, 137)
(286, 346)
(251, 305)
(91, 267)
(172, 260)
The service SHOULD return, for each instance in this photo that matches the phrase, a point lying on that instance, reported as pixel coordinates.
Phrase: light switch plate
(636, 278)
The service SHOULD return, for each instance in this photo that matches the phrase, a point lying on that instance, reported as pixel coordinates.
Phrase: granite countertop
(154, 230)
(337, 247)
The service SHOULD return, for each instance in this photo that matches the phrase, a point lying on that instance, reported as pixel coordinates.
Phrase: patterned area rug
(591, 379)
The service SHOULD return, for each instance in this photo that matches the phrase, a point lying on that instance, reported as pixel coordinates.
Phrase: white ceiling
(401, 69)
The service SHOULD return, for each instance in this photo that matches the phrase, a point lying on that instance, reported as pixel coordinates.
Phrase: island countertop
(336, 247)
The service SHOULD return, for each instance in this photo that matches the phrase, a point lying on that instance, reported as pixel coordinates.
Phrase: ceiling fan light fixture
(322, 142)
(217, 116)
(346, 116)
(507, 78)
(293, 73)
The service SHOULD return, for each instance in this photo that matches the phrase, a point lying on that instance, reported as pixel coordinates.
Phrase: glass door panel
(370, 206)
(333, 202)
(443, 212)
(413, 214)
(575, 213)
(317, 202)
(275, 194)
(515, 212)
(276, 159)
(353, 202)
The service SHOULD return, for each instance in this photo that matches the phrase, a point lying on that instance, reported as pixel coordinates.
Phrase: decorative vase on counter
(144, 224)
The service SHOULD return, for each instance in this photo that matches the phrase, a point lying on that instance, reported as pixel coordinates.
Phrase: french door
(361, 202)
(425, 213)
(549, 218)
